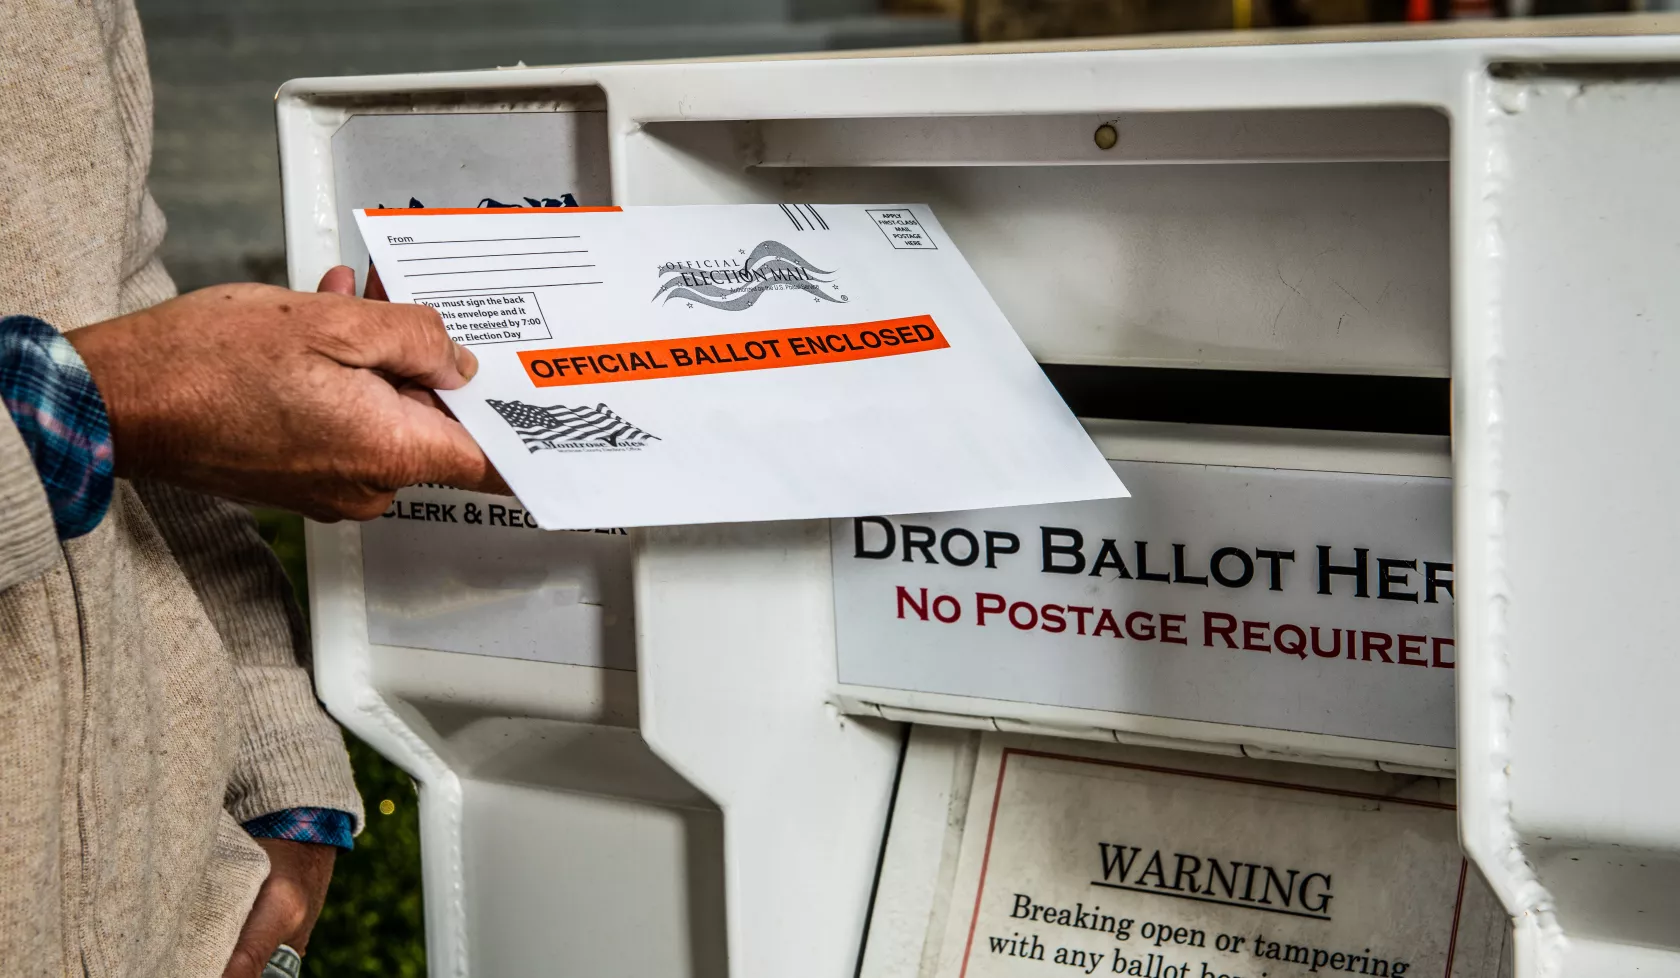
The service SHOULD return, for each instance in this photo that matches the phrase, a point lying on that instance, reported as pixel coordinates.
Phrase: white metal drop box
(1369, 668)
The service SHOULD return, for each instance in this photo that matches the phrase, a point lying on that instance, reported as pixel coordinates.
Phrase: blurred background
(216, 65)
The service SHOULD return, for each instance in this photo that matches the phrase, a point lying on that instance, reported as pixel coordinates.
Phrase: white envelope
(659, 365)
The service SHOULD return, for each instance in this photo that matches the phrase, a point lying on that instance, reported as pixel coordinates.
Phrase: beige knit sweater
(153, 689)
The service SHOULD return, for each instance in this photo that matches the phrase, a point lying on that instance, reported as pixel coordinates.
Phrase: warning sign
(1086, 861)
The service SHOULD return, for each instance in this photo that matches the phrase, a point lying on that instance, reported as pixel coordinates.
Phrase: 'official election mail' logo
(733, 284)
(569, 429)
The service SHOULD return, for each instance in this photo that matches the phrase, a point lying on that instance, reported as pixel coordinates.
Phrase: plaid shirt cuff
(58, 411)
(322, 826)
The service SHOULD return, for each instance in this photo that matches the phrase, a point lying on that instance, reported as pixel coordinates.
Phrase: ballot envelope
(1360, 680)
(861, 369)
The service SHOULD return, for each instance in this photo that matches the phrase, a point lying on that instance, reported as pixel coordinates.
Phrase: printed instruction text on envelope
(708, 364)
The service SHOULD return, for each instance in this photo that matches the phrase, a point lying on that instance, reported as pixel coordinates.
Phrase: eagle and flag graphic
(563, 428)
(771, 267)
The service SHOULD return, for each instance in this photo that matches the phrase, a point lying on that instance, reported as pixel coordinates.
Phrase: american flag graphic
(561, 427)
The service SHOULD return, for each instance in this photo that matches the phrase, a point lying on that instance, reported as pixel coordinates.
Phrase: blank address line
(540, 237)
(503, 254)
(492, 271)
(505, 288)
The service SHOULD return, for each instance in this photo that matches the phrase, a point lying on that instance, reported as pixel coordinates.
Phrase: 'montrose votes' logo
(734, 284)
(567, 429)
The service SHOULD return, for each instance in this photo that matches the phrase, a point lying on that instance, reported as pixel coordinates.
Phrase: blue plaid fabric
(58, 411)
(323, 826)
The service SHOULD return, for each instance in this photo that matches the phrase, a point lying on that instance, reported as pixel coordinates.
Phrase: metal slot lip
(1257, 398)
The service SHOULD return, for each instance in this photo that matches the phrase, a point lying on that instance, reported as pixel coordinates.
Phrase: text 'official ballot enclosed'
(660, 365)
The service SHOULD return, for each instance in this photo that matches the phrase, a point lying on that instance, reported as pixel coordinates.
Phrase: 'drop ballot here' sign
(662, 365)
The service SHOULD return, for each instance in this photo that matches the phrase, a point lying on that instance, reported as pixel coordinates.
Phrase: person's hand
(286, 906)
(319, 403)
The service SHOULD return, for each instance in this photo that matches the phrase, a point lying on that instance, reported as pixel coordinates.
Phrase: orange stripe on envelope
(693, 356)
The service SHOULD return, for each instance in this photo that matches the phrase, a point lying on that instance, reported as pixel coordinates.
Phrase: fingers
(359, 503)
(493, 483)
(416, 353)
(404, 436)
(460, 465)
(447, 454)
(405, 341)
(339, 279)
(244, 962)
(273, 918)
(490, 480)
(423, 395)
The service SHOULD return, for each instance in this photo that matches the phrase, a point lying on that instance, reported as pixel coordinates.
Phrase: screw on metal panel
(1106, 136)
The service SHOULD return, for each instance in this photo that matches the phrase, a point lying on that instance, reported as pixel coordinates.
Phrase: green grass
(372, 926)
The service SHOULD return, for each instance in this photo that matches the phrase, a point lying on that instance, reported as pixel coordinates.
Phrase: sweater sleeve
(28, 539)
(291, 754)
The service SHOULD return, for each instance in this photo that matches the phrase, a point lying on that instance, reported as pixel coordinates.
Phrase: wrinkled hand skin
(318, 403)
(286, 907)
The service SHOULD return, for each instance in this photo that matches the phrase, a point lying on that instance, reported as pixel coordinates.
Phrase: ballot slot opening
(1303, 241)
(1256, 398)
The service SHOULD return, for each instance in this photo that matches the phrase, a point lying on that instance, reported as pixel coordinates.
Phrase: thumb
(340, 279)
(399, 341)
